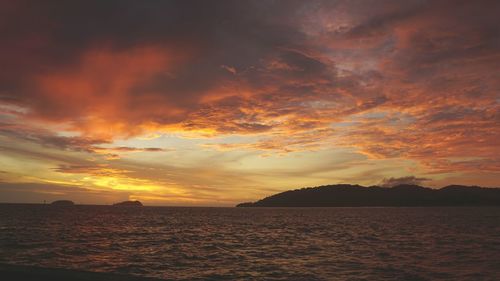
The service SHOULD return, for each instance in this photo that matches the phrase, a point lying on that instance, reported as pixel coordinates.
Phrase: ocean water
(257, 243)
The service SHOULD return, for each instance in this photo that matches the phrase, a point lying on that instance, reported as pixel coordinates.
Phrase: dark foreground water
(257, 244)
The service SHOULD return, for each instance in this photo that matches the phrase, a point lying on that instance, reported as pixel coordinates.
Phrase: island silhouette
(129, 204)
(346, 195)
(62, 203)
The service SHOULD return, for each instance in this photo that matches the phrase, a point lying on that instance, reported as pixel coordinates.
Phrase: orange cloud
(101, 96)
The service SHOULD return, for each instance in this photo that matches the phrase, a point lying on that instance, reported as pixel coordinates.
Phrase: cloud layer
(390, 80)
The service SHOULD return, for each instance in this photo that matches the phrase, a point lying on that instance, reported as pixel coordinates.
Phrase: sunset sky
(212, 103)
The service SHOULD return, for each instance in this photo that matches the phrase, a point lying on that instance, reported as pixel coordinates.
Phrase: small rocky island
(129, 204)
(346, 195)
(62, 203)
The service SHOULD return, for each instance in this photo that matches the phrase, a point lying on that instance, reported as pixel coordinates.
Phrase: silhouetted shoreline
(345, 195)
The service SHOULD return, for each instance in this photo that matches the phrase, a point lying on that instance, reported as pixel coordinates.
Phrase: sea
(177, 243)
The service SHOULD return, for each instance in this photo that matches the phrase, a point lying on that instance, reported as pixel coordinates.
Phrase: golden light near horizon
(216, 107)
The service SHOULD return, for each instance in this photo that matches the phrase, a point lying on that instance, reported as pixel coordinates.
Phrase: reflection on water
(271, 244)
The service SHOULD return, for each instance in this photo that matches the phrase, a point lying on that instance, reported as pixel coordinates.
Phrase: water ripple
(257, 244)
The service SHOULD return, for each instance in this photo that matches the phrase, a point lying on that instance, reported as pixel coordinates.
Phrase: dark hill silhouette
(129, 204)
(346, 195)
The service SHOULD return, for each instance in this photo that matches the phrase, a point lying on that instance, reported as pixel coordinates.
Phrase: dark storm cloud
(56, 33)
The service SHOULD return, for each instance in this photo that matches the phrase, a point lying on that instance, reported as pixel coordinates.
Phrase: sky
(212, 103)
